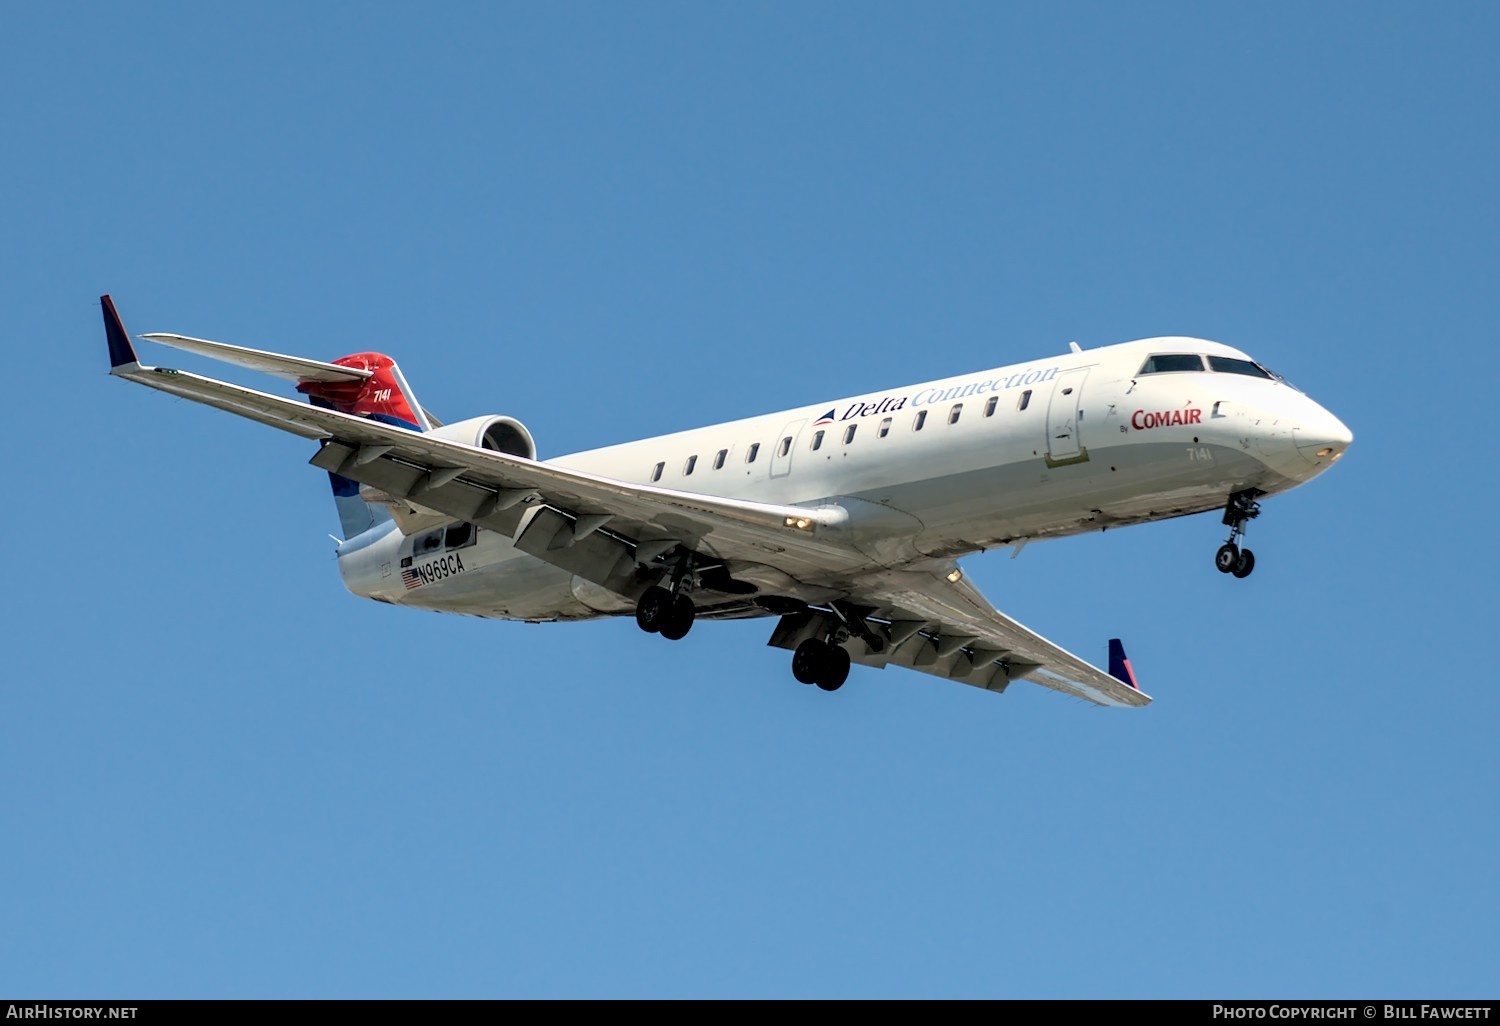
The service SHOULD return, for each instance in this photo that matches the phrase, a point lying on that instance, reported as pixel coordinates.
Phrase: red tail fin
(384, 396)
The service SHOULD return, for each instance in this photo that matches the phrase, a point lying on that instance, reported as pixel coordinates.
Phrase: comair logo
(1145, 420)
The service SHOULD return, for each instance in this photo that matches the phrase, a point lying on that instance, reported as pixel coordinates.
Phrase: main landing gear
(668, 611)
(822, 663)
(822, 659)
(1231, 559)
(659, 611)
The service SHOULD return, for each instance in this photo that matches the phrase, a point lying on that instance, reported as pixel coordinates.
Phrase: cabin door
(1065, 419)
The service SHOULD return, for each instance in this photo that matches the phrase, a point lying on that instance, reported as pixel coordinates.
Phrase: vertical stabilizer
(385, 397)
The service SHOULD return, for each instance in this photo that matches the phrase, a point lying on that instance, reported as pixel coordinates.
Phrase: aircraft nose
(1322, 438)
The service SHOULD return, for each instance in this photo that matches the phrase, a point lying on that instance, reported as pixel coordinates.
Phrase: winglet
(121, 352)
(1119, 664)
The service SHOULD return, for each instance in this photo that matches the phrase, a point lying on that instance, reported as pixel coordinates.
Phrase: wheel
(653, 609)
(679, 619)
(1244, 564)
(835, 668)
(807, 660)
(1227, 558)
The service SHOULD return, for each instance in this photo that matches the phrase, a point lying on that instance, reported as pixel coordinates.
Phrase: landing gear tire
(835, 669)
(653, 609)
(679, 619)
(1227, 559)
(817, 662)
(1244, 564)
(806, 660)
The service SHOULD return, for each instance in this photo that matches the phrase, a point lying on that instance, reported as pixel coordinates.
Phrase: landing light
(1325, 451)
(955, 575)
(800, 523)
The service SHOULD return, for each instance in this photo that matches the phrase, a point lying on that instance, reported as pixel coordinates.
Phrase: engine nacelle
(500, 434)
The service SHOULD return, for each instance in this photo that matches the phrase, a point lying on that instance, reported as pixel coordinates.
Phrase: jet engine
(499, 434)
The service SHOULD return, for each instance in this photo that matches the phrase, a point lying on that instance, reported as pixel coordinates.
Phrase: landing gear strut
(1231, 559)
(667, 611)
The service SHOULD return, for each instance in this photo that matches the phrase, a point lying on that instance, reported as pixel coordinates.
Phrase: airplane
(841, 519)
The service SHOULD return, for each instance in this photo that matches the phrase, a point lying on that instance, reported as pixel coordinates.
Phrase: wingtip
(1119, 664)
(121, 352)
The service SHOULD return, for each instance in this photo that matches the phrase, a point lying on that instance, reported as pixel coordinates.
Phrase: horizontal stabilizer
(290, 368)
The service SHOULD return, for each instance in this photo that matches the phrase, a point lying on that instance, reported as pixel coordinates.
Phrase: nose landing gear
(1231, 558)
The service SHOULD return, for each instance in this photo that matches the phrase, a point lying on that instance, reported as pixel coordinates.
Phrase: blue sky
(223, 776)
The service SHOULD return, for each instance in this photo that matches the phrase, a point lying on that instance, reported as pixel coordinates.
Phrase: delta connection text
(1404, 1011)
(932, 396)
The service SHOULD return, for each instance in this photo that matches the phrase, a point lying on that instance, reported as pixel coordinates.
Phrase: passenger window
(754, 452)
(921, 419)
(885, 427)
(692, 461)
(656, 472)
(1025, 400)
(817, 442)
(786, 446)
(432, 541)
(953, 414)
(1166, 363)
(990, 404)
(458, 536)
(719, 459)
(849, 435)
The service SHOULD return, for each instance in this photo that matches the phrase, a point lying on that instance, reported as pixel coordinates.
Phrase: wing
(603, 529)
(928, 622)
(586, 523)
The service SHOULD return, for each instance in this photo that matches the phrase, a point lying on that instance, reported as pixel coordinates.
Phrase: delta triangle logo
(826, 418)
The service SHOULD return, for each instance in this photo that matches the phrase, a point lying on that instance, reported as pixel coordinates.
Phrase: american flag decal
(410, 578)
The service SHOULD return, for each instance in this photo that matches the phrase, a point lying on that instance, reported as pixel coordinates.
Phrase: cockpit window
(1230, 365)
(1165, 363)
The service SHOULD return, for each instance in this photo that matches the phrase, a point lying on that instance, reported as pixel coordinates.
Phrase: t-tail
(362, 384)
(380, 394)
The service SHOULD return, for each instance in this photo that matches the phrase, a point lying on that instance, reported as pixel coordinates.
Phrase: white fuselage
(1076, 442)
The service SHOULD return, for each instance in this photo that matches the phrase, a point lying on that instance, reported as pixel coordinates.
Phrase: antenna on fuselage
(1075, 347)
